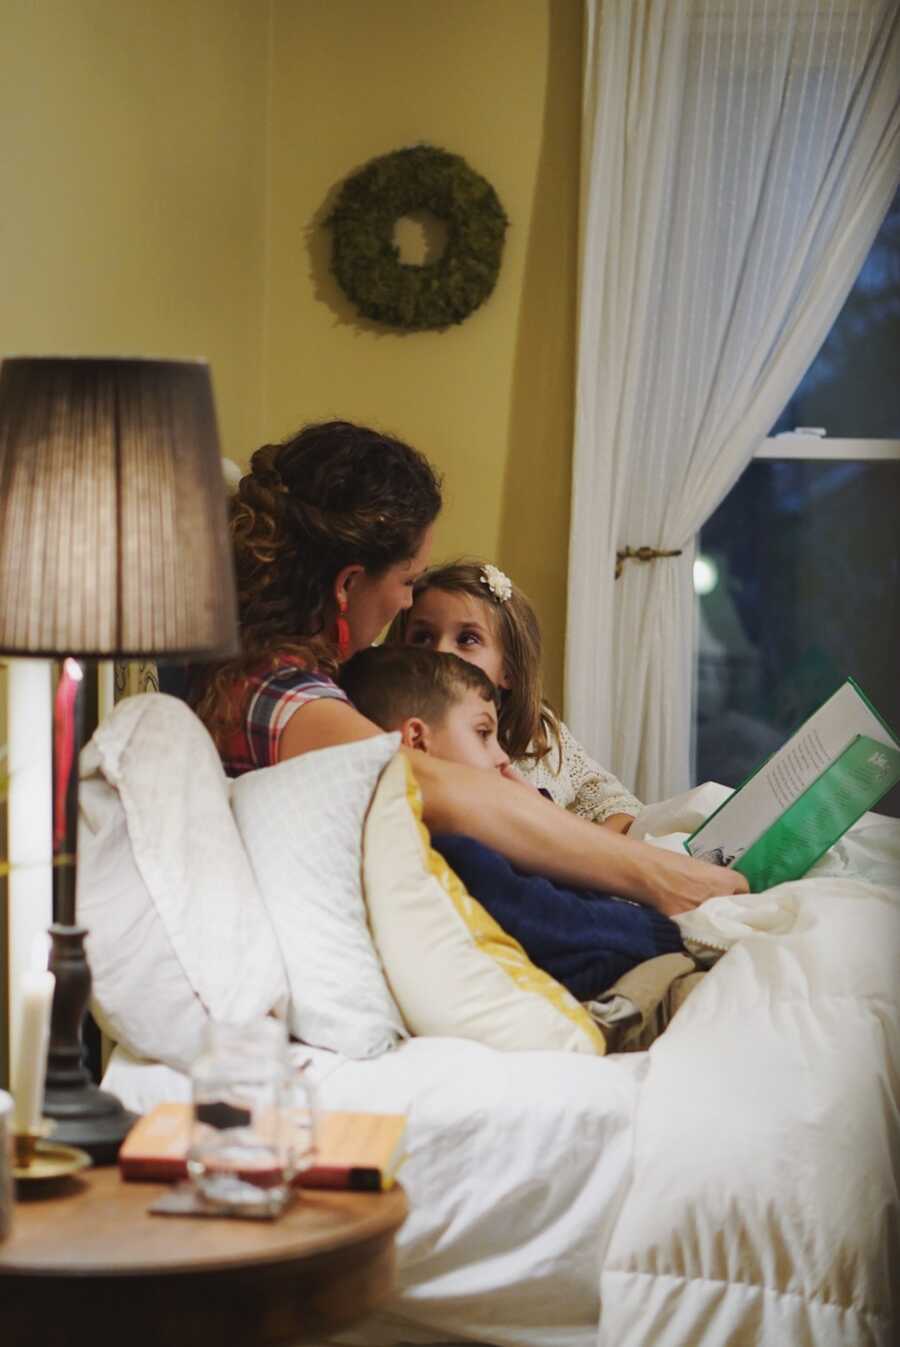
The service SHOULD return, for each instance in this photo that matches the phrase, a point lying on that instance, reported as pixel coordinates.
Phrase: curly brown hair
(528, 726)
(333, 495)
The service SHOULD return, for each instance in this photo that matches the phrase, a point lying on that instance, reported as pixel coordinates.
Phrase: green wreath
(366, 261)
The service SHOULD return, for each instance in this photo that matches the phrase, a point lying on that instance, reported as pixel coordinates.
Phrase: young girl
(472, 609)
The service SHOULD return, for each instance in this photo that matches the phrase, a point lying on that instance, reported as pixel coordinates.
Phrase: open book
(839, 763)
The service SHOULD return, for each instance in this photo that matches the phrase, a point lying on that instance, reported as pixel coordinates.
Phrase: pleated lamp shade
(113, 538)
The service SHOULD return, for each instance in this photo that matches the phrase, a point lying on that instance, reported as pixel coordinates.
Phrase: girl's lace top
(580, 784)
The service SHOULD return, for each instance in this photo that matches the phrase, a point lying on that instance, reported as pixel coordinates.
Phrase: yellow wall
(133, 153)
(132, 139)
(137, 140)
(135, 136)
(489, 401)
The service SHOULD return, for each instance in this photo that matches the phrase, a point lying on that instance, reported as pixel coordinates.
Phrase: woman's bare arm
(323, 724)
(529, 830)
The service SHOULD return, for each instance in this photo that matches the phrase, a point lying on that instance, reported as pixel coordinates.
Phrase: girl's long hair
(333, 495)
(528, 727)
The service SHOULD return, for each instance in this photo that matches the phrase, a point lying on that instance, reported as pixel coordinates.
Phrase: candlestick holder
(38, 1163)
(25, 1144)
(85, 1116)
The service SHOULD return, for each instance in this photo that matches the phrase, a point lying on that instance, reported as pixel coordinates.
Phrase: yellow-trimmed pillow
(453, 971)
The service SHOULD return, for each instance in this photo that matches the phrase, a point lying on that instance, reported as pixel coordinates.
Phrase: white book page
(786, 775)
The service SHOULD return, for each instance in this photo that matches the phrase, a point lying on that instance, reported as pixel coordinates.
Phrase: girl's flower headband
(497, 582)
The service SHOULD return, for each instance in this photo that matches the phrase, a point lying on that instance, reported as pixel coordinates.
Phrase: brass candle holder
(35, 1160)
(25, 1144)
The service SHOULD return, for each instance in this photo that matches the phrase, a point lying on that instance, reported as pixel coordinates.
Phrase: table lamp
(113, 545)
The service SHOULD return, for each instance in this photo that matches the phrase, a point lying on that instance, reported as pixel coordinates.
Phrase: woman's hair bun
(264, 468)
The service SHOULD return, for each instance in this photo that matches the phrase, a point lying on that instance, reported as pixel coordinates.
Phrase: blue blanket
(585, 940)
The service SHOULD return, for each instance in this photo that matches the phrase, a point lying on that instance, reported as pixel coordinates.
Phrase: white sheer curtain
(738, 158)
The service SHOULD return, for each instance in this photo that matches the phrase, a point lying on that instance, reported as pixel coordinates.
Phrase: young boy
(443, 705)
(440, 704)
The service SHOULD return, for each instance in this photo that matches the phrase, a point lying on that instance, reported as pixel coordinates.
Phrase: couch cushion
(452, 969)
(301, 822)
(177, 929)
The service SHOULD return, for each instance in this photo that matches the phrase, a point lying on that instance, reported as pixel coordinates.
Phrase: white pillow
(301, 822)
(178, 931)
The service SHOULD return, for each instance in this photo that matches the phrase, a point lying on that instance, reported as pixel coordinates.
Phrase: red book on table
(359, 1151)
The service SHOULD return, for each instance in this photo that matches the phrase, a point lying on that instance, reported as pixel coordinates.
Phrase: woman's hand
(674, 883)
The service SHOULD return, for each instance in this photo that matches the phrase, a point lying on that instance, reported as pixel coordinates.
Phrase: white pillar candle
(30, 1060)
(30, 765)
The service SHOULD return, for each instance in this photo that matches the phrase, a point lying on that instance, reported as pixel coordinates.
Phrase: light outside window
(798, 570)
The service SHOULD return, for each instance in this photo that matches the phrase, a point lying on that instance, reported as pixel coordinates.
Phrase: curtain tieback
(642, 554)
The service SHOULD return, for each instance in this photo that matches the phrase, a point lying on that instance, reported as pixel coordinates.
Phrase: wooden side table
(92, 1266)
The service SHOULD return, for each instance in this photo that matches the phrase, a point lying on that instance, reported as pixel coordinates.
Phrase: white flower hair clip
(497, 582)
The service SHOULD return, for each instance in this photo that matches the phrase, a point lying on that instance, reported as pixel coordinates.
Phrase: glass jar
(253, 1119)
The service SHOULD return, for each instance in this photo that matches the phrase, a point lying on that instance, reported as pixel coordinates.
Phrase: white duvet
(736, 1185)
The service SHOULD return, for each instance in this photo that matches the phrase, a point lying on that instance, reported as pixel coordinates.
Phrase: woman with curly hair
(331, 530)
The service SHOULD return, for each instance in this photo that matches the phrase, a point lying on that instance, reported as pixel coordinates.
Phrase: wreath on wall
(366, 261)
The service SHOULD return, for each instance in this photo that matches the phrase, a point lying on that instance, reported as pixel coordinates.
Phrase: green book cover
(803, 798)
(852, 784)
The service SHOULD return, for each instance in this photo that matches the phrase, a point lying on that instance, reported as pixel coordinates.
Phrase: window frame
(788, 444)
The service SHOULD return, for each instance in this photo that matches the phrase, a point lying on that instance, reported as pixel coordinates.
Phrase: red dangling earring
(343, 629)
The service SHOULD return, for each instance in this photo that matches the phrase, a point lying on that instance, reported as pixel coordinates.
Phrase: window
(798, 570)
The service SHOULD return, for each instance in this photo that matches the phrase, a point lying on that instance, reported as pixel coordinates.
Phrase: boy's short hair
(390, 683)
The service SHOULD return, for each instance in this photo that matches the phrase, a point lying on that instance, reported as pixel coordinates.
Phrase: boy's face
(467, 734)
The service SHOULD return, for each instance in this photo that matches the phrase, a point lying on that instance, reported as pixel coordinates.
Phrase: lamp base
(91, 1119)
(87, 1117)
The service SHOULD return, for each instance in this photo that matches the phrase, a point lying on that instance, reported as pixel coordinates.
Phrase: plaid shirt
(268, 700)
